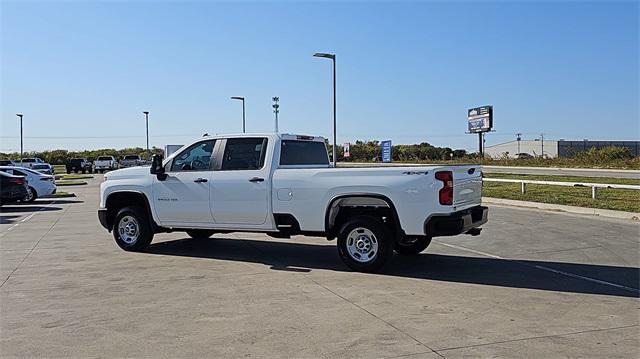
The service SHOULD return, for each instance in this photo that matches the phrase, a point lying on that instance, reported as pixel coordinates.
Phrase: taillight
(446, 192)
(18, 181)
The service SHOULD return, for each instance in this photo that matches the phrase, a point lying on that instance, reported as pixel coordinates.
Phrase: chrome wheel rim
(29, 195)
(362, 245)
(128, 229)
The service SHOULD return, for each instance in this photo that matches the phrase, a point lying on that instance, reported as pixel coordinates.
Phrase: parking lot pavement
(533, 284)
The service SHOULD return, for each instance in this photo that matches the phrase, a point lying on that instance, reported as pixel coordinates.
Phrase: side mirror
(157, 168)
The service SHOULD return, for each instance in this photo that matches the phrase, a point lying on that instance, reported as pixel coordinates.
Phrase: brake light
(18, 181)
(446, 192)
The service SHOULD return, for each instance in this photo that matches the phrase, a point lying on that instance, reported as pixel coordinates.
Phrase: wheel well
(119, 200)
(341, 209)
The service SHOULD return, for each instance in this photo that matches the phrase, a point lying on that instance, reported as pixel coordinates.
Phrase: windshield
(104, 158)
(131, 157)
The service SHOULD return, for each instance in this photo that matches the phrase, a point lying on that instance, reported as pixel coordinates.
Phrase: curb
(568, 169)
(569, 209)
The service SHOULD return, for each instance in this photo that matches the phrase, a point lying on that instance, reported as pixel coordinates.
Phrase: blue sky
(82, 72)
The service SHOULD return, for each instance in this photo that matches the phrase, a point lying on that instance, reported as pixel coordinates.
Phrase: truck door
(240, 182)
(183, 197)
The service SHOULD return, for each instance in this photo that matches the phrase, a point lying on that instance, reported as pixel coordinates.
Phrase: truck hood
(129, 172)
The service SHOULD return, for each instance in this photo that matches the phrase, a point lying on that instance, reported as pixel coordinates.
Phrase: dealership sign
(480, 119)
(386, 151)
(346, 150)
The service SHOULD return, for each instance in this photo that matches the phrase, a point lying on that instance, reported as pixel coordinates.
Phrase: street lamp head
(322, 54)
(237, 98)
(145, 112)
(19, 115)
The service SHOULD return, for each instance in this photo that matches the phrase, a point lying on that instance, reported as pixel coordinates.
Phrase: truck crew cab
(283, 185)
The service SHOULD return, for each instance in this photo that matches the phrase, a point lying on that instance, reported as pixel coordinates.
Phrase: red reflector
(445, 195)
(18, 181)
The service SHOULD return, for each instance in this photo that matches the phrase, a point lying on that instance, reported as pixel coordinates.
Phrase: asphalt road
(533, 284)
(583, 172)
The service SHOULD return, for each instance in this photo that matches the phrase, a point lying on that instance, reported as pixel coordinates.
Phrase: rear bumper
(102, 217)
(456, 223)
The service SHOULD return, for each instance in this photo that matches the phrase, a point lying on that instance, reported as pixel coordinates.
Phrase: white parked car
(105, 163)
(39, 184)
(131, 161)
(283, 185)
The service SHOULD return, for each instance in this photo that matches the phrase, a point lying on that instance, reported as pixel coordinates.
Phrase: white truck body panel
(229, 201)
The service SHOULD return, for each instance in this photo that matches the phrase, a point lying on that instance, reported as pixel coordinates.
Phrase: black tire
(142, 228)
(68, 171)
(33, 197)
(200, 233)
(84, 171)
(75, 171)
(90, 170)
(371, 261)
(419, 244)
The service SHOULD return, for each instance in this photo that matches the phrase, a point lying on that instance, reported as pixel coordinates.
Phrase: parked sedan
(43, 168)
(38, 184)
(12, 188)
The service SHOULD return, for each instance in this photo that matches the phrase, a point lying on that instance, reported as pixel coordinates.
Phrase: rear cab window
(244, 154)
(303, 153)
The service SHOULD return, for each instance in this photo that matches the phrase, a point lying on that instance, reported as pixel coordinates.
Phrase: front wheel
(365, 244)
(132, 230)
(200, 233)
(413, 245)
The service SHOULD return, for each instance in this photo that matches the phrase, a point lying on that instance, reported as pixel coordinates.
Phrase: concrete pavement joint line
(559, 250)
(542, 337)
(375, 316)
(35, 245)
(576, 276)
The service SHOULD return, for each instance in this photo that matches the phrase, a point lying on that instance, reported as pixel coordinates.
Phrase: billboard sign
(480, 119)
(386, 151)
(347, 154)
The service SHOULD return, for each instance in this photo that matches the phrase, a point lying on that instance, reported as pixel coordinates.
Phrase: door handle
(256, 179)
(200, 180)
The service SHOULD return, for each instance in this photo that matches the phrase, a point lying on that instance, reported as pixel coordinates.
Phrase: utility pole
(21, 141)
(276, 109)
(542, 144)
(146, 119)
(480, 144)
(518, 138)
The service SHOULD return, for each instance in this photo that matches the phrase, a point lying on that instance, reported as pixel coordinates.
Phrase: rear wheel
(365, 244)
(31, 195)
(68, 171)
(200, 233)
(132, 230)
(413, 245)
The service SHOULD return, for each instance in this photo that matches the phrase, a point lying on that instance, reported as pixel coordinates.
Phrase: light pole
(542, 144)
(518, 139)
(21, 146)
(276, 109)
(146, 119)
(333, 59)
(241, 99)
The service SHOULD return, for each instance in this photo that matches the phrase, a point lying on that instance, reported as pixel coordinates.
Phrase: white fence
(594, 186)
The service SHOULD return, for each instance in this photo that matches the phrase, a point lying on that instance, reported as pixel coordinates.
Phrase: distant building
(554, 148)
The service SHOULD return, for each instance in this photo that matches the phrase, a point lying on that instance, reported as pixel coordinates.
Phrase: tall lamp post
(243, 121)
(21, 146)
(518, 138)
(276, 109)
(146, 119)
(333, 59)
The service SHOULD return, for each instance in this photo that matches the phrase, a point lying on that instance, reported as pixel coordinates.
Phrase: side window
(244, 154)
(197, 157)
(19, 173)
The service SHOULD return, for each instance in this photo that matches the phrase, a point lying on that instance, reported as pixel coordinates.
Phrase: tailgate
(467, 185)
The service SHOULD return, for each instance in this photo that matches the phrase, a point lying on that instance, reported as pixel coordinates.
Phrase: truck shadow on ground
(28, 208)
(304, 257)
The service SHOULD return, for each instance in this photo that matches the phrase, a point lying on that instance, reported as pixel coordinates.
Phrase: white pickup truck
(283, 185)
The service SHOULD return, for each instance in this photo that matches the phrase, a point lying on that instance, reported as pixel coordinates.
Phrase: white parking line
(567, 274)
(26, 218)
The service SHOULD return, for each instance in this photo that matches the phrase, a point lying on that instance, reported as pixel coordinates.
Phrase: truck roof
(283, 136)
